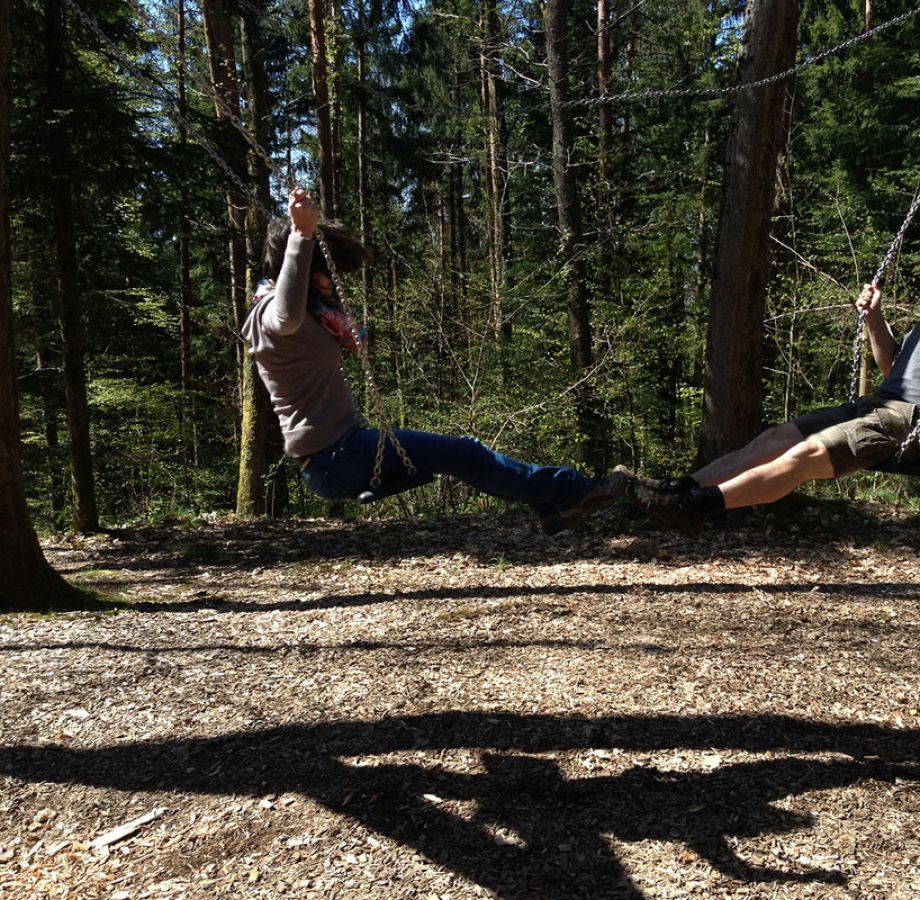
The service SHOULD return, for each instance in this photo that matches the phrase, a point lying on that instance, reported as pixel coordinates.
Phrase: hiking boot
(551, 524)
(671, 484)
(603, 493)
(675, 511)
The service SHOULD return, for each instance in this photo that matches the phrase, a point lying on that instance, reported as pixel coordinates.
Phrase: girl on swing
(297, 330)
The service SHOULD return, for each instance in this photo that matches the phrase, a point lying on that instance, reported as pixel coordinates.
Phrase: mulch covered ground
(470, 709)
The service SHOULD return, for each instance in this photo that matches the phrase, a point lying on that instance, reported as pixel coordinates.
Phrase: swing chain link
(386, 431)
(193, 129)
(910, 439)
(716, 93)
(914, 433)
(861, 321)
(857, 356)
(896, 243)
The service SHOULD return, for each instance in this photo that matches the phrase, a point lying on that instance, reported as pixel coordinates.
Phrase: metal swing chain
(386, 430)
(193, 129)
(858, 342)
(861, 321)
(716, 93)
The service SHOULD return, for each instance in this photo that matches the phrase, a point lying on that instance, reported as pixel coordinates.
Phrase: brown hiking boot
(672, 484)
(603, 493)
(552, 524)
(675, 511)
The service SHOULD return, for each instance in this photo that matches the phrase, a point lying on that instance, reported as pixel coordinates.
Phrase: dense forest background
(133, 250)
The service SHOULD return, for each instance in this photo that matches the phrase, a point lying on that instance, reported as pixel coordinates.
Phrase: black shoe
(676, 511)
(603, 493)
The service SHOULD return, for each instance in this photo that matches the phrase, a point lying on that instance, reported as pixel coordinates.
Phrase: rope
(715, 93)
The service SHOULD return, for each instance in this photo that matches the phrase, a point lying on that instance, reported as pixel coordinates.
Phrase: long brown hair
(348, 253)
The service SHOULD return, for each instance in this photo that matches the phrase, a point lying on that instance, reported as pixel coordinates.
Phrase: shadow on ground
(163, 553)
(559, 824)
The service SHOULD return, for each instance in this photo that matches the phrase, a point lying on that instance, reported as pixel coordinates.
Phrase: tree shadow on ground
(176, 554)
(906, 591)
(510, 538)
(529, 831)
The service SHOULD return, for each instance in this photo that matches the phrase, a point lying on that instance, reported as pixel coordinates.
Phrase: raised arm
(285, 313)
(884, 346)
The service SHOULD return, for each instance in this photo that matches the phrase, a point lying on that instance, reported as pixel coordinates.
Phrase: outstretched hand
(304, 214)
(870, 300)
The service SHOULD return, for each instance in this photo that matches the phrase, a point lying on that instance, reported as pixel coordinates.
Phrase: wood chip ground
(470, 709)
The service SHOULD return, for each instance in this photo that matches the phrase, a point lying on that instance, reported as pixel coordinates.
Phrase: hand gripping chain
(860, 322)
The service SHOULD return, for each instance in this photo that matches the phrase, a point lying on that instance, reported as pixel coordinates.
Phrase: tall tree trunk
(626, 202)
(360, 38)
(604, 147)
(459, 335)
(336, 57)
(323, 109)
(51, 407)
(219, 31)
(26, 579)
(260, 439)
(733, 398)
(444, 285)
(495, 154)
(222, 68)
(189, 443)
(392, 298)
(83, 489)
(42, 288)
(578, 305)
(867, 350)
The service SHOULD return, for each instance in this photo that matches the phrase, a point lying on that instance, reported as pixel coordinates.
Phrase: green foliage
(846, 181)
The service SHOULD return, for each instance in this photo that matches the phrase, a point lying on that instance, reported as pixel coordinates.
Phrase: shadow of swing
(561, 824)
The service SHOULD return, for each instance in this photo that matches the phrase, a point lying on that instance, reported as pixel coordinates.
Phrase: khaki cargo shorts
(859, 435)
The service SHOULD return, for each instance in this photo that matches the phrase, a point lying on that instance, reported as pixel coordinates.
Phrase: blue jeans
(344, 469)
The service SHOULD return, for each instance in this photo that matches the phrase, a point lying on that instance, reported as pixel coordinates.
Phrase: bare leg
(805, 461)
(767, 446)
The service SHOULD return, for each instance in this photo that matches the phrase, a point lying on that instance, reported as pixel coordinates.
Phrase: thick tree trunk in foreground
(83, 489)
(26, 579)
(733, 399)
